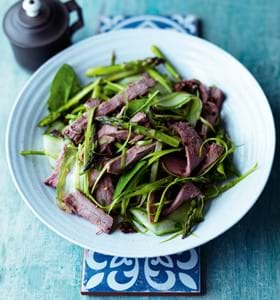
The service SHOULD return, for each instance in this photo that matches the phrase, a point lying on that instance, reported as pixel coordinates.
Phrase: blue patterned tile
(178, 273)
(182, 23)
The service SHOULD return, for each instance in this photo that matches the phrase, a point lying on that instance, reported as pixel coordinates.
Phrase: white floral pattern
(181, 23)
(119, 274)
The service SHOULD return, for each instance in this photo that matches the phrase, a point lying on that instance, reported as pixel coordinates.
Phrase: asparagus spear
(123, 74)
(53, 116)
(113, 58)
(173, 72)
(172, 141)
(37, 152)
(159, 78)
(135, 65)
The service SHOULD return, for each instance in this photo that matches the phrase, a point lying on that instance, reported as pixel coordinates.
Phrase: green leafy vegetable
(162, 199)
(125, 178)
(155, 156)
(66, 165)
(53, 116)
(64, 86)
(177, 100)
(161, 228)
(143, 104)
(146, 188)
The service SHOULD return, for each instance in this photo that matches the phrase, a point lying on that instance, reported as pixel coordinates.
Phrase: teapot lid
(32, 23)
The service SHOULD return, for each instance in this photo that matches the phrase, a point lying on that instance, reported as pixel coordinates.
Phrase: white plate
(246, 112)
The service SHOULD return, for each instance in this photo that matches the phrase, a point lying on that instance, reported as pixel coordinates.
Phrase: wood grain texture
(244, 263)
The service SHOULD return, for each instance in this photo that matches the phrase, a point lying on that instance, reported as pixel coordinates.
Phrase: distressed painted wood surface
(244, 263)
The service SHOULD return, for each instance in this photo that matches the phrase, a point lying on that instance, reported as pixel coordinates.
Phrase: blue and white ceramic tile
(178, 273)
(182, 23)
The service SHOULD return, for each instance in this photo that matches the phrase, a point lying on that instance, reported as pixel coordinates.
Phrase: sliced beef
(136, 138)
(192, 142)
(92, 103)
(189, 86)
(53, 179)
(107, 147)
(174, 165)
(126, 227)
(213, 152)
(212, 100)
(56, 133)
(105, 190)
(136, 89)
(211, 113)
(193, 86)
(211, 109)
(139, 118)
(107, 135)
(216, 96)
(133, 154)
(203, 92)
(112, 131)
(76, 130)
(79, 204)
(93, 174)
(188, 191)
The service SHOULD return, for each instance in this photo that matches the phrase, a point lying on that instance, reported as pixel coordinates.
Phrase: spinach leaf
(176, 100)
(125, 178)
(64, 85)
(134, 106)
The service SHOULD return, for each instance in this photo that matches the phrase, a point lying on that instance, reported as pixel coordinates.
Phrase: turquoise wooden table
(244, 263)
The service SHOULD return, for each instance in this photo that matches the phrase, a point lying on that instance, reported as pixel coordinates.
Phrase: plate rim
(94, 37)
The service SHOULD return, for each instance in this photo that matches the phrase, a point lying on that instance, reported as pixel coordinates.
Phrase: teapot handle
(72, 6)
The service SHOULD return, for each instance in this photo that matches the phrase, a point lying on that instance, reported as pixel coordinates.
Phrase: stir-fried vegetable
(138, 146)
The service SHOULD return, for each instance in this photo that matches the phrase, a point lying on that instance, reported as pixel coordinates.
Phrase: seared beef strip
(213, 152)
(192, 142)
(53, 179)
(187, 191)
(134, 90)
(79, 204)
(133, 154)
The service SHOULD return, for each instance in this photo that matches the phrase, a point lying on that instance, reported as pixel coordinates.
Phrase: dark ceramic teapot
(39, 29)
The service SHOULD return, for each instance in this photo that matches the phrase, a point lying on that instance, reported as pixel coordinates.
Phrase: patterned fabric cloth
(174, 274)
